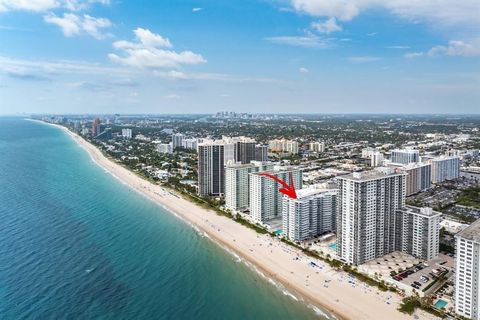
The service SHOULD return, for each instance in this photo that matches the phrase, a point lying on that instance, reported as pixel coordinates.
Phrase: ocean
(76, 243)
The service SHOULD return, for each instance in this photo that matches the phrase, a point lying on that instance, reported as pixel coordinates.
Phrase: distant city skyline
(256, 56)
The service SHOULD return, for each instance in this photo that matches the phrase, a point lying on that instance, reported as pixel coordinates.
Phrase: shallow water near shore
(75, 243)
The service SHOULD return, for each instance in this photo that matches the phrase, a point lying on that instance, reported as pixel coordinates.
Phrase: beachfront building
(445, 168)
(405, 156)
(96, 127)
(419, 176)
(211, 173)
(368, 202)
(237, 183)
(265, 197)
(467, 272)
(418, 231)
(313, 213)
(127, 133)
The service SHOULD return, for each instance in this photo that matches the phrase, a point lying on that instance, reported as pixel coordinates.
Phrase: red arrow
(288, 190)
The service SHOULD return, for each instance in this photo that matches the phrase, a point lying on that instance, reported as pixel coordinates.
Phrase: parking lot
(391, 262)
(422, 276)
(396, 261)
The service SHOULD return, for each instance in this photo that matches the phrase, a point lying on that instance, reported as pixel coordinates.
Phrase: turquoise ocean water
(75, 243)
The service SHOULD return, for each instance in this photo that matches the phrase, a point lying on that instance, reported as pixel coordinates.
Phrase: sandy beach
(320, 285)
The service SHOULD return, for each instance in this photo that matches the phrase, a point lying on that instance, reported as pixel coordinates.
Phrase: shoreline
(332, 291)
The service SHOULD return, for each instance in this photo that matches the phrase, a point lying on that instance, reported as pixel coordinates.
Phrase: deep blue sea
(75, 243)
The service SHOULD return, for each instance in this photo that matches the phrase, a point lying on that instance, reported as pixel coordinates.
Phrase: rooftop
(377, 173)
(406, 150)
(238, 165)
(425, 211)
(472, 232)
(307, 192)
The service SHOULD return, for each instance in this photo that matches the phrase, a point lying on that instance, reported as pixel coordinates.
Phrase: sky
(257, 56)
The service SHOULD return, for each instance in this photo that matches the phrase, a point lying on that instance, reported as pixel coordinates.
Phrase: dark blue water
(77, 244)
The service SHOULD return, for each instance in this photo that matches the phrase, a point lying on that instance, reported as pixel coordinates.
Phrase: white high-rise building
(368, 202)
(190, 144)
(291, 147)
(317, 146)
(211, 173)
(177, 140)
(418, 232)
(229, 153)
(164, 148)
(265, 197)
(376, 159)
(368, 152)
(445, 168)
(237, 183)
(127, 133)
(405, 156)
(313, 213)
(467, 272)
(283, 145)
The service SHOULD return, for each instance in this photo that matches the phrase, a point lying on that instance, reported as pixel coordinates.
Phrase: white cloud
(172, 96)
(150, 39)
(413, 55)
(92, 25)
(45, 5)
(72, 24)
(148, 52)
(20, 72)
(33, 5)
(303, 70)
(327, 26)
(59, 67)
(442, 12)
(309, 41)
(399, 47)
(340, 9)
(197, 9)
(364, 59)
(177, 75)
(454, 48)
